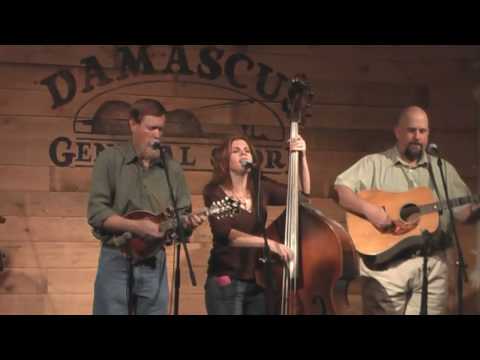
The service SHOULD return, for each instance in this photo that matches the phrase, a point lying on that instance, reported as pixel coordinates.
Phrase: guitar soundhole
(410, 213)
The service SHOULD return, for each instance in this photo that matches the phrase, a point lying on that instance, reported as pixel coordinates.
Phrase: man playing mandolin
(397, 284)
(128, 178)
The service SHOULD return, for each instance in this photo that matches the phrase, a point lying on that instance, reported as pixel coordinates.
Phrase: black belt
(150, 262)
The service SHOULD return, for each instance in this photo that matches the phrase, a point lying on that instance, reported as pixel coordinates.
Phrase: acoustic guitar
(412, 212)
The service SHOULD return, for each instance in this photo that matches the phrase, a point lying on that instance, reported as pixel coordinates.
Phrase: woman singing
(230, 288)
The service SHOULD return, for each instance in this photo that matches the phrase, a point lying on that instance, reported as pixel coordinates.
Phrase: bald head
(412, 133)
(409, 113)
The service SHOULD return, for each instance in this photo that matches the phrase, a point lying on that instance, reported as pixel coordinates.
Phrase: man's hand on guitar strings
(378, 217)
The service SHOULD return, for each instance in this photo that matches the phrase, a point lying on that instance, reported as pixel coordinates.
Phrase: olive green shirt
(388, 172)
(121, 185)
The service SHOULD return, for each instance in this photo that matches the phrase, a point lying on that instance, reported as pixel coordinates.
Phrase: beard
(414, 151)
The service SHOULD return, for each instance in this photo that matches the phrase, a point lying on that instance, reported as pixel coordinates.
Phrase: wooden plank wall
(359, 91)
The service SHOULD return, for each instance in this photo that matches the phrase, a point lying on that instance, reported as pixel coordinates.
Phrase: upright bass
(325, 261)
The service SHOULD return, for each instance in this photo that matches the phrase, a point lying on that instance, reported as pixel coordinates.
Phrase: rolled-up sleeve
(100, 202)
(456, 186)
(359, 176)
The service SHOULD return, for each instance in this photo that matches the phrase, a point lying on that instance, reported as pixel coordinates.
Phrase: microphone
(156, 145)
(432, 149)
(247, 164)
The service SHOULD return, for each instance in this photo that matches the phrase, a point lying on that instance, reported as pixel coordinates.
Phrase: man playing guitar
(397, 285)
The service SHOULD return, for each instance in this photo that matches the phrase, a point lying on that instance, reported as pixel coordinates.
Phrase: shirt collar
(130, 153)
(397, 159)
(131, 156)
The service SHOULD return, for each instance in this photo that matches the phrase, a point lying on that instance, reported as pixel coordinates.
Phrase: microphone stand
(426, 249)
(181, 240)
(267, 259)
(131, 297)
(462, 274)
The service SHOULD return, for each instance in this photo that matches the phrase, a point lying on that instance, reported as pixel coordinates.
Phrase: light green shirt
(121, 185)
(388, 172)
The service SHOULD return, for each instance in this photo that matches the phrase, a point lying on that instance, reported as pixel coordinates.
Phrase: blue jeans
(150, 285)
(237, 298)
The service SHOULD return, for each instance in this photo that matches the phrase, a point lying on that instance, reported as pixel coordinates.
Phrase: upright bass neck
(299, 97)
(291, 231)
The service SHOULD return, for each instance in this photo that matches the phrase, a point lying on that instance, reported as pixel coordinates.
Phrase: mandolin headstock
(226, 207)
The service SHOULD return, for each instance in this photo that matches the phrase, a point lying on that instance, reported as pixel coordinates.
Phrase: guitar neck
(442, 205)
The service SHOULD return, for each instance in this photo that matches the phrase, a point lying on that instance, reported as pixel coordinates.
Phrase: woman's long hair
(221, 163)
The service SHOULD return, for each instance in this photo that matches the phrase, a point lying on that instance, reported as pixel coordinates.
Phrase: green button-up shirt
(121, 185)
(388, 172)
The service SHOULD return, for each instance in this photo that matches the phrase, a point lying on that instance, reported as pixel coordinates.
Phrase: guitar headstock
(226, 207)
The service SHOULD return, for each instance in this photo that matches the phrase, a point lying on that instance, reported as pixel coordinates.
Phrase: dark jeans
(150, 285)
(237, 298)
